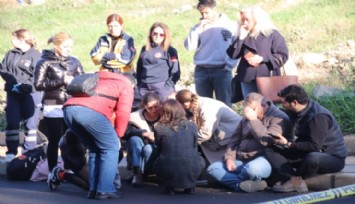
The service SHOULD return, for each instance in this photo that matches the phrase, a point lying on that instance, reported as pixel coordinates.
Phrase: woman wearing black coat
(178, 164)
(260, 47)
(54, 71)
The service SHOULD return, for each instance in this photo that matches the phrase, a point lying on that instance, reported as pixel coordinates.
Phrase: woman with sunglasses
(140, 137)
(158, 67)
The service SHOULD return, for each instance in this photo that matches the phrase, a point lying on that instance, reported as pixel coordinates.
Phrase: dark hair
(114, 17)
(294, 92)
(148, 97)
(206, 4)
(172, 114)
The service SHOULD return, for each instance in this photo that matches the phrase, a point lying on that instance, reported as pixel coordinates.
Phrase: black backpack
(83, 85)
(22, 167)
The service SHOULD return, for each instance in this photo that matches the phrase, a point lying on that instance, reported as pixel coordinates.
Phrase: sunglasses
(158, 34)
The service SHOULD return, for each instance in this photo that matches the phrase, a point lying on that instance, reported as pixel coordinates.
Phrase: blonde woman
(54, 71)
(260, 47)
(215, 121)
(22, 99)
(158, 67)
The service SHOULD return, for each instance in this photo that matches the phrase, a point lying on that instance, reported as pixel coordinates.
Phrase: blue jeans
(98, 134)
(218, 80)
(248, 88)
(141, 155)
(255, 169)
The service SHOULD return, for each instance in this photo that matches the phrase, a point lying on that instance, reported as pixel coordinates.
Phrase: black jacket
(272, 48)
(317, 131)
(18, 67)
(49, 76)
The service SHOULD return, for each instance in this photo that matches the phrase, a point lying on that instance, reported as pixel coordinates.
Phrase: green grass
(311, 26)
(342, 106)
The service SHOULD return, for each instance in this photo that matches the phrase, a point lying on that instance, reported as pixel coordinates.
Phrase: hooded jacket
(49, 76)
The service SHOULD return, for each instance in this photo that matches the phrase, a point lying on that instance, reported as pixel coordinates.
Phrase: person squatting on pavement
(23, 101)
(100, 121)
(141, 150)
(318, 149)
(215, 122)
(178, 163)
(244, 165)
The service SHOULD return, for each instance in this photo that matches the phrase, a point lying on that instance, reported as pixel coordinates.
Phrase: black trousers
(56, 128)
(288, 162)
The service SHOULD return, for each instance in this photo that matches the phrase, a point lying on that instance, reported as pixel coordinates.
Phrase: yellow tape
(317, 196)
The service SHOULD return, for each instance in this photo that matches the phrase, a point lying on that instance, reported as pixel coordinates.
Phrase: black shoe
(169, 190)
(189, 190)
(92, 194)
(137, 180)
(105, 196)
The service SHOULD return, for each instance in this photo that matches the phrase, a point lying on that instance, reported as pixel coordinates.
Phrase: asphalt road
(23, 192)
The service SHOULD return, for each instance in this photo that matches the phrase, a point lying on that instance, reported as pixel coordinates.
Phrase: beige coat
(218, 125)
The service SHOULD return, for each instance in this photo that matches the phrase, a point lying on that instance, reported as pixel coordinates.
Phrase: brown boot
(296, 183)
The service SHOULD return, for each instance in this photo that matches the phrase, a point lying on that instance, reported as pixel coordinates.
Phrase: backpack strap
(107, 96)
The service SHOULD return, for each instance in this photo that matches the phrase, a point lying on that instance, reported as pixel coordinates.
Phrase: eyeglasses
(158, 34)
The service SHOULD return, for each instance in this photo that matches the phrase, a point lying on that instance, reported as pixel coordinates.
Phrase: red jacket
(117, 111)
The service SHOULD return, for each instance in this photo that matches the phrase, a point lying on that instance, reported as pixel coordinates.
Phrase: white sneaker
(8, 158)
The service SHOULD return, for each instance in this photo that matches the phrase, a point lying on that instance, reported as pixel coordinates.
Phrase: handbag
(270, 86)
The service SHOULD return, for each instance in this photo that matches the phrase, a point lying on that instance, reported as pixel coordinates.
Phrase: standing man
(210, 38)
(318, 149)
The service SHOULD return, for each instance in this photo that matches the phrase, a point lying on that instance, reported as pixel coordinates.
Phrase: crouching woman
(178, 164)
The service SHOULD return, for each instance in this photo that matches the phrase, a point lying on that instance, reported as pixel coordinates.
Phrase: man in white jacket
(211, 37)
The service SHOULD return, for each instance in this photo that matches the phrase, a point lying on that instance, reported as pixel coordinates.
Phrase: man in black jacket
(318, 149)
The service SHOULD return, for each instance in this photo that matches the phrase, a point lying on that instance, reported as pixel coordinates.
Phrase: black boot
(137, 180)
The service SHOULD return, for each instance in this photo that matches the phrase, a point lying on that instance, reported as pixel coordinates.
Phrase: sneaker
(294, 184)
(8, 158)
(53, 178)
(250, 186)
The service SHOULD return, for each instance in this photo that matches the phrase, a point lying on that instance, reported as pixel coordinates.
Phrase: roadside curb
(317, 196)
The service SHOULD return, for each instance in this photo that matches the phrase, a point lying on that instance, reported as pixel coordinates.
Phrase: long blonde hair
(25, 35)
(263, 22)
